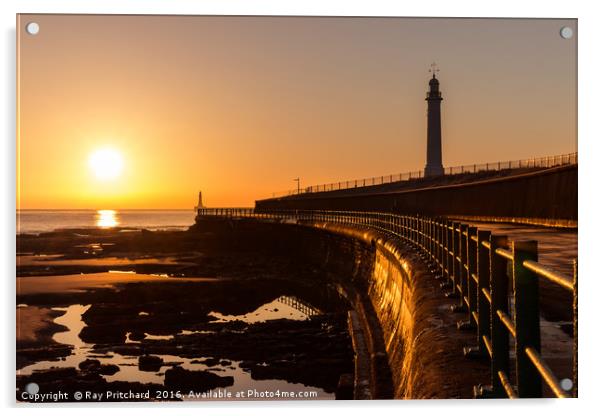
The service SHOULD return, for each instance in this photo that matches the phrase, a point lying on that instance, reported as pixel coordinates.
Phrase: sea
(41, 221)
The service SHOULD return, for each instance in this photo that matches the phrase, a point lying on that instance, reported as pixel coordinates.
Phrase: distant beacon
(200, 205)
(434, 166)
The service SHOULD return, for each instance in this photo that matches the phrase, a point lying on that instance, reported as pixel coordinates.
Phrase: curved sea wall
(406, 326)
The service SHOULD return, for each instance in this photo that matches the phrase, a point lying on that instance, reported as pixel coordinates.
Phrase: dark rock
(49, 353)
(52, 374)
(247, 364)
(210, 362)
(178, 378)
(149, 363)
(137, 336)
(89, 365)
(108, 369)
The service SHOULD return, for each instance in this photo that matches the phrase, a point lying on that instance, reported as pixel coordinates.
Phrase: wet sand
(35, 325)
(59, 260)
(82, 282)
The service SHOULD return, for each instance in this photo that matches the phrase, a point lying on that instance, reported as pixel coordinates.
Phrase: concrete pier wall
(549, 194)
(412, 352)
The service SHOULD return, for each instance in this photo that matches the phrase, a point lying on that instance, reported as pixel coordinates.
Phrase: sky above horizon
(240, 106)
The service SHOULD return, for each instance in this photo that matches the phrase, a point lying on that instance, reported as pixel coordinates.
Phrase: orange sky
(239, 106)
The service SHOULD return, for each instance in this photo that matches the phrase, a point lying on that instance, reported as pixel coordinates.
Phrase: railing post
(483, 305)
(438, 245)
(422, 223)
(526, 306)
(500, 352)
(443, 247)
(403, 227)
(449, 240)
(418, 235)
(455, 270)
(431, 240)
(422, 226)
(471, 262)
(419, 231)
(461, 279)
(424, 230)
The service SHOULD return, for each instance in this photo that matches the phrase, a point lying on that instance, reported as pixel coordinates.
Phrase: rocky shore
(173, 315)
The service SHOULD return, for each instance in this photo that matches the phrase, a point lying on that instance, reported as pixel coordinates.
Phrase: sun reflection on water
(106, 218)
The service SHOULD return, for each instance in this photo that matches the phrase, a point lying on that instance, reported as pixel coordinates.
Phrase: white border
(589, 196)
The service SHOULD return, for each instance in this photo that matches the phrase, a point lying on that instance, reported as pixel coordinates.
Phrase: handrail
(549, 274)
(504, 253)
(507, 321)
(507, 386)
(546, 372)
(473, 264)
(541, 162)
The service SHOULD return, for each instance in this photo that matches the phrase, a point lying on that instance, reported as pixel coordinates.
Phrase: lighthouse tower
(434, 166)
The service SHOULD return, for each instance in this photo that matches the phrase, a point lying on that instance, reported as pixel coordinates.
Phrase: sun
(106, 164)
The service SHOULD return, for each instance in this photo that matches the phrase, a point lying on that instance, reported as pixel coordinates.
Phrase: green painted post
(500, 357)
(526, 306)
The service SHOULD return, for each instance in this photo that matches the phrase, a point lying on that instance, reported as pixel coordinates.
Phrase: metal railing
(473, 264)
(541, 162)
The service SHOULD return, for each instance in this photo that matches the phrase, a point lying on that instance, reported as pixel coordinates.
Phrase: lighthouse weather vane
(434, 69)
